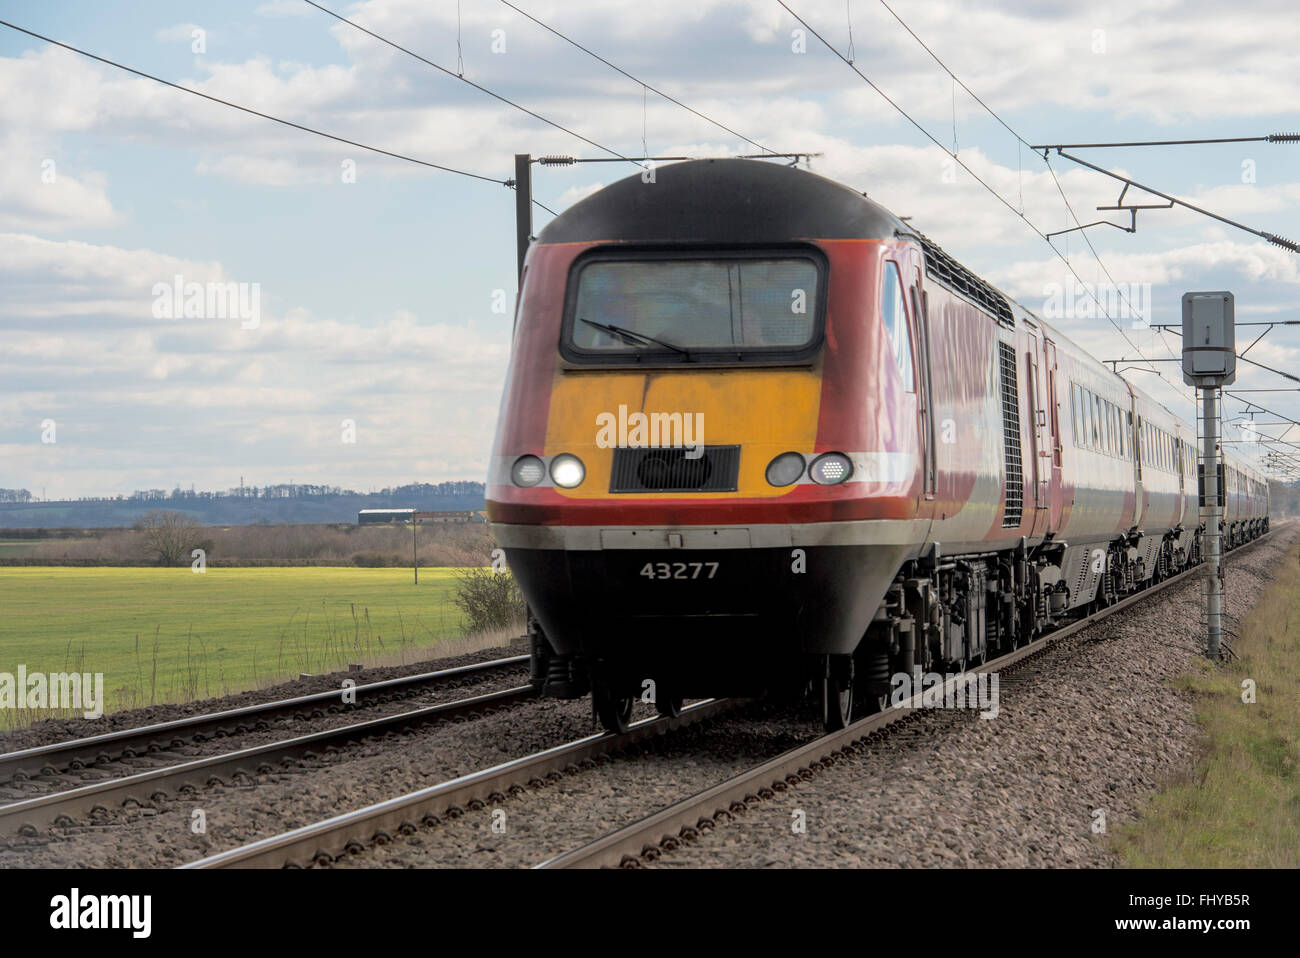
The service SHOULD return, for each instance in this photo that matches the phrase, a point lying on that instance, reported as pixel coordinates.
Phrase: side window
(893, 313)
(1096, 423)
(1074, 410)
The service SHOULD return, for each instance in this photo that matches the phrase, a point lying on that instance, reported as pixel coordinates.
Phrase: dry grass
(1241, 807)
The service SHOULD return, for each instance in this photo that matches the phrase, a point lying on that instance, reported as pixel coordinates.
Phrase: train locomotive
(759, 434)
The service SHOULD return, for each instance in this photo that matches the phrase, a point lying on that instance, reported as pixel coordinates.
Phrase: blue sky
(377, 295)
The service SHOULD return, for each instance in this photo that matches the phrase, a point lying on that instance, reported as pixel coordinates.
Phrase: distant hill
(275, 504)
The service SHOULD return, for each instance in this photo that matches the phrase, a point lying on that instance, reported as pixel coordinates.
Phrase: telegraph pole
(1209, 364)
(523, 206)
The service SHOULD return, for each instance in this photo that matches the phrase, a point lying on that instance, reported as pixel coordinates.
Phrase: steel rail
(664, 830)
(30, 815)
(326, 840)
(77, 753)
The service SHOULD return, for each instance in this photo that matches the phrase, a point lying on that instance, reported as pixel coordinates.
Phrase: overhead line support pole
(523, 207)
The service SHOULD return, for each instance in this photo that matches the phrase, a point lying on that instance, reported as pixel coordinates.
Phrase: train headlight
(527, 471)
(785, 469)
(567, 470)
(830, 468)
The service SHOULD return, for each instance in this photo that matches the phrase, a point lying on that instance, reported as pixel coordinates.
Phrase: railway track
(29, 816)
(127, 743)
(351, 832)
(646, 840)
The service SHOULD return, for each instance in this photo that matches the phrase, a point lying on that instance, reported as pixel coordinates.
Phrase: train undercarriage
(940, 614)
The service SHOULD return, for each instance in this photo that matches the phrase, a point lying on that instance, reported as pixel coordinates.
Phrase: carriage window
(1096, 423)
(1074, 411)
(894, 315)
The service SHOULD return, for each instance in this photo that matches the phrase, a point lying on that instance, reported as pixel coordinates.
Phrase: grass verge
(170, 635)
(1241, 806)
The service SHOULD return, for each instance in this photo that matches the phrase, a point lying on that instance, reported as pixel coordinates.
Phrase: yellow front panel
(764, 411)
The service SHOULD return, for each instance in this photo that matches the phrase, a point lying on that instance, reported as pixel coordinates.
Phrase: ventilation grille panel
(1011, 436)
(946, 270)
(667, 469)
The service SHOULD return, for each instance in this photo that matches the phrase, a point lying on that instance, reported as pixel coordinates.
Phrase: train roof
(723, 201)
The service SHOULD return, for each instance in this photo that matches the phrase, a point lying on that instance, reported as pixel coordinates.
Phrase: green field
(166, 635)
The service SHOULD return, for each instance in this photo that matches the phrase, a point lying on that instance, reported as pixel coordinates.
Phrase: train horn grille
(667, 469)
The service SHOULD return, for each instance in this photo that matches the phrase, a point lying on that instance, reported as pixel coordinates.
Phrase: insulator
(556, 160)
(1283, 242)
(1284, 138)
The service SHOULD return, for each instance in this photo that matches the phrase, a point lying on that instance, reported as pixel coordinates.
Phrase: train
(761, 435)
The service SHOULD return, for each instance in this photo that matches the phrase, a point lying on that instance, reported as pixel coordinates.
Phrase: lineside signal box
(1209, 339)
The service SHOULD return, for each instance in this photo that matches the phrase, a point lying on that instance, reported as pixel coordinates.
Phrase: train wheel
(837, 697)
(613, 710)
(667, 704)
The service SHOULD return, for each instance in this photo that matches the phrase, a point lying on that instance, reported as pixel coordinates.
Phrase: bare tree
(169, 535)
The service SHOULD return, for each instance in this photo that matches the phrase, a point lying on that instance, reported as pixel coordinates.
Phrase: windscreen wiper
(632, 337)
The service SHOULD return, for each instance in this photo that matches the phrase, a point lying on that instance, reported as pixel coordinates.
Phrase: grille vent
(1011, 436)
(946, 270)
(667, 469)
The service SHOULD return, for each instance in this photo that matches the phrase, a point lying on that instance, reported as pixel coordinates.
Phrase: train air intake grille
(669, 469)
(1011, 436)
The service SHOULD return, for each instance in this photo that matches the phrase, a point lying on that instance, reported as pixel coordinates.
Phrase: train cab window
(719, 305)
(893, 313)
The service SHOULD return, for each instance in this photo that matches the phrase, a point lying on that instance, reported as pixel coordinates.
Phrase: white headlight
(567, 470)
(831, 468)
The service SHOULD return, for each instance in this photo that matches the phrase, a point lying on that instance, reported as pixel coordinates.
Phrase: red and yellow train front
(707, 463)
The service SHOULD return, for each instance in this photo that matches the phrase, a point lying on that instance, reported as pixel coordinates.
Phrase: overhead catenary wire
(655, 90)
(1020, 140)
(928, 135)
(250, 110)
(267, 116)
(464, 79)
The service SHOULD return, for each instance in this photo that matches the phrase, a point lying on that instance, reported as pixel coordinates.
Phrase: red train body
(807, 443)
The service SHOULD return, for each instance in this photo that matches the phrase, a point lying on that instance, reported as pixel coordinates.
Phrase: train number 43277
(679, 570)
